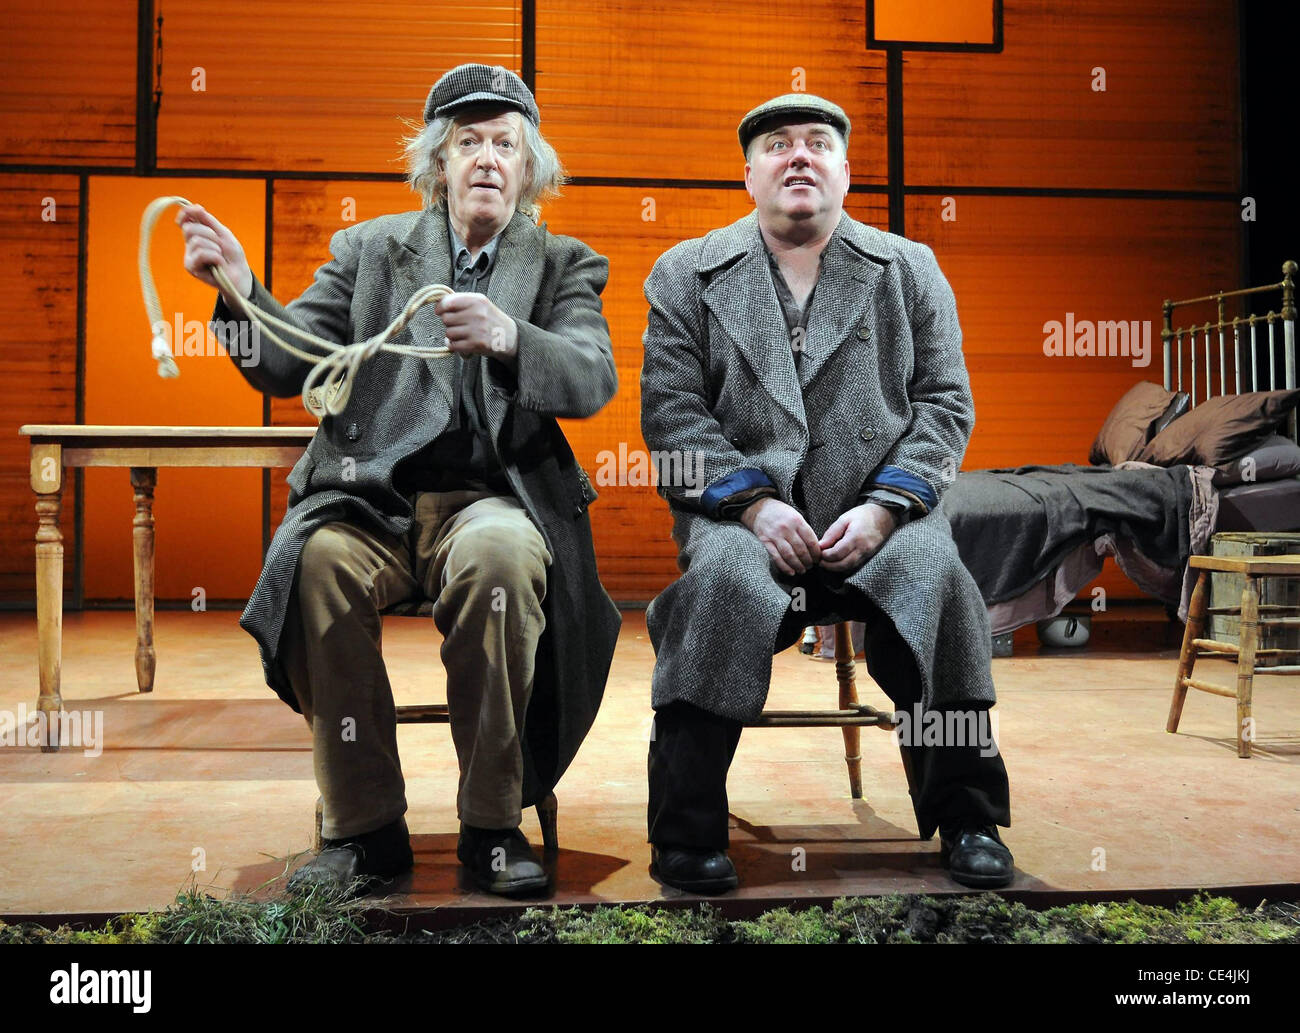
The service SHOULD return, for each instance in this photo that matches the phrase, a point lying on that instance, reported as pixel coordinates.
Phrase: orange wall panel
(39, 220)
(1030, 116)
(298, 85)
(208, 521)
(67, 83)
(657, 90)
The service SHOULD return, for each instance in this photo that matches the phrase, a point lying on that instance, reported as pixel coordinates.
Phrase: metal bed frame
(1172, 339)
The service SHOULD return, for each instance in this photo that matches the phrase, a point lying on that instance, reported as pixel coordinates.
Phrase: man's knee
(329, 559)
(499, 554)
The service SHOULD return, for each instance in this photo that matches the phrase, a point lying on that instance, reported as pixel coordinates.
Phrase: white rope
(332, 372)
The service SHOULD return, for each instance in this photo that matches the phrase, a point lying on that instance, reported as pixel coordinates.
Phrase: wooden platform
(212, 772)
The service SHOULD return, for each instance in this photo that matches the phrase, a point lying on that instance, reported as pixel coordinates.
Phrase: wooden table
(56, 447)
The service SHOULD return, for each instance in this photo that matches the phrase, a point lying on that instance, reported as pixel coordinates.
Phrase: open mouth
(799, 181)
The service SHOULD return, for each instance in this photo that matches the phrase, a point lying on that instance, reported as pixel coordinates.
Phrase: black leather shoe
(695, 871)
(355, 865)
(501, 861)
(976, 856)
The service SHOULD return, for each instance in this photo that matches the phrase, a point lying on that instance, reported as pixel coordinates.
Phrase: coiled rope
(332, 372)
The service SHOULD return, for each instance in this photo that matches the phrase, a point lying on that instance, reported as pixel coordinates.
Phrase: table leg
(143, 480)
(49, 615)
(47, 483)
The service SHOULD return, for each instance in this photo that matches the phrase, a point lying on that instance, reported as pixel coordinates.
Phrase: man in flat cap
(444, 479)
(815, 363)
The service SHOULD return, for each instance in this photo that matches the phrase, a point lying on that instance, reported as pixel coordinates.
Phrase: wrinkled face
(484, 164)
(797, 171)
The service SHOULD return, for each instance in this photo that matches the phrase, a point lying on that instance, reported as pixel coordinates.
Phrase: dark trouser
(691, 751)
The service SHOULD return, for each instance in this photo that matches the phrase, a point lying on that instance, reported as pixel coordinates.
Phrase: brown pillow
(1219, 430)
(1145, 409)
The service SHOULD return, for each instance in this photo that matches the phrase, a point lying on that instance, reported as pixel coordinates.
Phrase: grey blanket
(1012, 527)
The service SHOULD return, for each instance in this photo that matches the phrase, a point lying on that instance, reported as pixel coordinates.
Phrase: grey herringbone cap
(480, 84)
(818, 109)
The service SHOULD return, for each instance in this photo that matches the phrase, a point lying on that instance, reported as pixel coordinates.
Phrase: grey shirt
(463, 455)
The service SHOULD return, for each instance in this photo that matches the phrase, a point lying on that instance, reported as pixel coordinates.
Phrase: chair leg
(1187, 658)
(548, 818)
(847, 677)
(1246, 662)
(320, 821)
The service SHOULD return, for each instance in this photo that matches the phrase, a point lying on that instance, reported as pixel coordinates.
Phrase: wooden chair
(1247, 650)
(436, 713)
(850, 718)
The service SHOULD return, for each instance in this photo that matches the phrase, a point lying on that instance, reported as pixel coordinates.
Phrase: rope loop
(328, 386)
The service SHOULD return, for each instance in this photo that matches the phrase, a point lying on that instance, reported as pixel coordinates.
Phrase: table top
(181, 435)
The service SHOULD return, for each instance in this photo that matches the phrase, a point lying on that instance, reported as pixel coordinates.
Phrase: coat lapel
(842, 300)
(423, 257)
(743, 299)
(420, 258)
(516, 280)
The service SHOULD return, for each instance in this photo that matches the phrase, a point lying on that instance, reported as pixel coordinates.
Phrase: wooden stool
(1253, 569)
(849, 718)
(436, 713)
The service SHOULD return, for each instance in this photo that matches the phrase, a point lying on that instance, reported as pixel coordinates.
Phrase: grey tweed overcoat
(881, 397)
(551, 285)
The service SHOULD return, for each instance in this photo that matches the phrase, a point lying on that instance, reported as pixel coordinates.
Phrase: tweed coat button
(867, 433)
(864, 333)
(353, 432)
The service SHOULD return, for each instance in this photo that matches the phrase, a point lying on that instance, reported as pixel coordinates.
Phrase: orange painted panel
(657, 90)
(208, 520)
(1033, 115)
(936, 21)
(39, 220)
(67, 83)
(297, 85)
(1017, 263)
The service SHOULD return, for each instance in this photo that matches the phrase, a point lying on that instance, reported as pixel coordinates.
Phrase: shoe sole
(708, 887)
(979, 882)
(522, 888)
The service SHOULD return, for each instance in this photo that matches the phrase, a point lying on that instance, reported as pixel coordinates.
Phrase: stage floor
(209, 779)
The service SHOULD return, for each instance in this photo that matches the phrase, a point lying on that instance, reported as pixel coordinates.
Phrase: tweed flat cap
(816, 108)
(480, 84)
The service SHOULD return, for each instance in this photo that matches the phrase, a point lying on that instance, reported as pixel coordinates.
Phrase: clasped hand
(475, 326)
(794, 547)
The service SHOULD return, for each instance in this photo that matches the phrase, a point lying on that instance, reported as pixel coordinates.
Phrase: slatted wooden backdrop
(1040, 194)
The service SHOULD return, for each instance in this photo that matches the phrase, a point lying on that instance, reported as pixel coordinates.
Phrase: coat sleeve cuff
(741, 480)
(896, 479)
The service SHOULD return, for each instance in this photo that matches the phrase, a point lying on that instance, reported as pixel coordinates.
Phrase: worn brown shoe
(501, 861)
(356, 865)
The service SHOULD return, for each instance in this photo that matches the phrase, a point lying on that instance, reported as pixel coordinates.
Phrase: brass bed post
(1288, 331)
(1165, 339)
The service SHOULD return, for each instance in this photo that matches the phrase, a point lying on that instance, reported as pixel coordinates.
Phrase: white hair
(422, 149)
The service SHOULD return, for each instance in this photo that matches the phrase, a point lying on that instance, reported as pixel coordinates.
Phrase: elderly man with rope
(443, 477)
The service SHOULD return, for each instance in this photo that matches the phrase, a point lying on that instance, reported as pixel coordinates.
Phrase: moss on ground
(987, 918)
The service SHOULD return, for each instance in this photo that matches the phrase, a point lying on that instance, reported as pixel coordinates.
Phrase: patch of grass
(197, 917)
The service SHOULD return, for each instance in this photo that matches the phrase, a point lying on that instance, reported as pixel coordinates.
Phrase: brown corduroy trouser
(481, 560)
